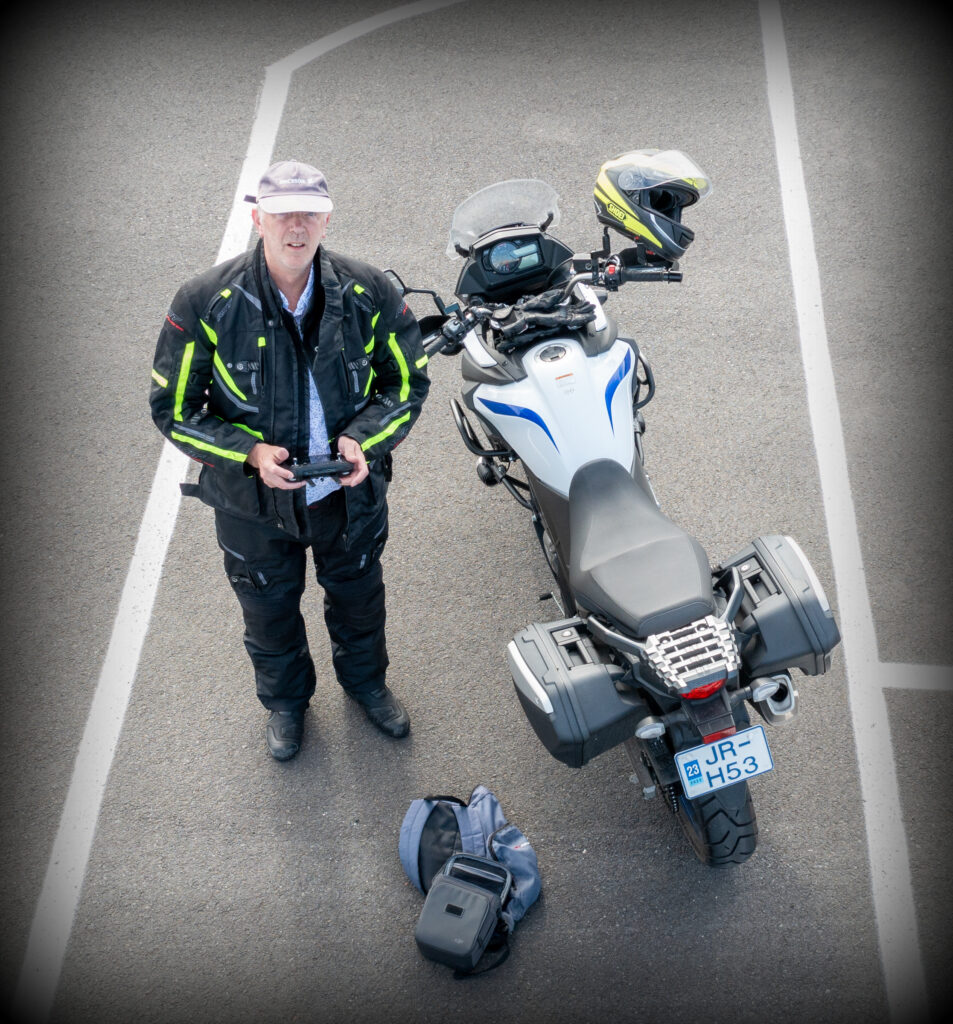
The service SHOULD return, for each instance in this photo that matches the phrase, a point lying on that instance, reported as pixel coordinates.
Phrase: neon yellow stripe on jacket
(220, 366)
(202, 446)
(183, 380)
(212, 336)
(369, 347)
(159, 379)
(385, 433)
(402, 363)
(248, 430)
(227, 377)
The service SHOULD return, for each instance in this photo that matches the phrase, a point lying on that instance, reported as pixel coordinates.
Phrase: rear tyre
(721, 826)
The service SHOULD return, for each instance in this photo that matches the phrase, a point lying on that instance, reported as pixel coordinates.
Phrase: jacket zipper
(271, 348)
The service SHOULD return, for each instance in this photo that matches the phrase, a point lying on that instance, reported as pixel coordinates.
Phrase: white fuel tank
(569, 409)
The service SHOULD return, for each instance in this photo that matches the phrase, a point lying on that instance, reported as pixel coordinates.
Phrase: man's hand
(351, 450)
(267, 459)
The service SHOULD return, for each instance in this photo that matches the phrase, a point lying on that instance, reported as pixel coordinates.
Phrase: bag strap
(472, 839)
(409, 843)
(499, 943)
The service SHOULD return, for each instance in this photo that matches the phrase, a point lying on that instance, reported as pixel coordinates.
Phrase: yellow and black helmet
(642, 194)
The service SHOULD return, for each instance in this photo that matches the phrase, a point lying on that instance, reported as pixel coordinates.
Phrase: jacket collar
(333, 298)
(325, 276)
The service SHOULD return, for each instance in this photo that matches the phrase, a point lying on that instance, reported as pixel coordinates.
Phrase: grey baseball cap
(289, 186)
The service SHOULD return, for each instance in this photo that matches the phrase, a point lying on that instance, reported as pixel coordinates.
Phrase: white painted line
(63, 883)
(917, 677)
(886, 841)
(272, 103)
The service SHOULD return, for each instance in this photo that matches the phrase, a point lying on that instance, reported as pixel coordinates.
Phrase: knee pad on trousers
(272, 614)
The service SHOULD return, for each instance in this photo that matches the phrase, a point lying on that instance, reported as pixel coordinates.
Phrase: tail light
(706, 690)
(720, 735)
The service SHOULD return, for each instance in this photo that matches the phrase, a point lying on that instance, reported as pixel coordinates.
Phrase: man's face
(290, 239)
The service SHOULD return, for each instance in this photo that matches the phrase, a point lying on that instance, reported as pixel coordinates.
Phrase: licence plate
(722, 763)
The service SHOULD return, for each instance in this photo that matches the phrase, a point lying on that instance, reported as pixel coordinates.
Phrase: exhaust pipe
(779, 707)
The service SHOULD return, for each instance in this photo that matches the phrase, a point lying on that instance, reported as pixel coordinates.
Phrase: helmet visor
(649, 168)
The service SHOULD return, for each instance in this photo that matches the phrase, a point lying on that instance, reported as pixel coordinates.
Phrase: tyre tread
(728, 831)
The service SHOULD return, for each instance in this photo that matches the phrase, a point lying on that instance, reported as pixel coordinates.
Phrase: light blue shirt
(318, 445)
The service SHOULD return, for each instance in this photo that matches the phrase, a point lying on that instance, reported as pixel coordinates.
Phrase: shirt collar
(305, 300)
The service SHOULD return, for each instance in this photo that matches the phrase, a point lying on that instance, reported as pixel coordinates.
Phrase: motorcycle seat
(627, 560)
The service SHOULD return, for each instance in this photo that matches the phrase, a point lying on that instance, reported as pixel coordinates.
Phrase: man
(293, 352)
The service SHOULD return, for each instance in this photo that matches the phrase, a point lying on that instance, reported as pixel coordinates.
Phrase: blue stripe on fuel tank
(614, 381)
(504, 409)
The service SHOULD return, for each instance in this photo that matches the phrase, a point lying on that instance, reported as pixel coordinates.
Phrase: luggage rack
(692, 655)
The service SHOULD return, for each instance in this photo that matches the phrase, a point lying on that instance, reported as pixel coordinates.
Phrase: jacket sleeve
(181, 378)
(400, 381)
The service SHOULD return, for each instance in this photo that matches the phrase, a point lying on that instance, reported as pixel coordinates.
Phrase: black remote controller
(328, 467)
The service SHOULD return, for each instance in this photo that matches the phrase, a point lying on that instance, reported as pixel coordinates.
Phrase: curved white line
(63, 883)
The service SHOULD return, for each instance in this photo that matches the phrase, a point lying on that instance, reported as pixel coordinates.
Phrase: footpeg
(641, 776)
(487, 472)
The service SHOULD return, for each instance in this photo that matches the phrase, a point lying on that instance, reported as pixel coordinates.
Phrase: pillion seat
(629, 562)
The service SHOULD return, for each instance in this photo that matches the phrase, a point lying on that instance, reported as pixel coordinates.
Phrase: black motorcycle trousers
(266, 568)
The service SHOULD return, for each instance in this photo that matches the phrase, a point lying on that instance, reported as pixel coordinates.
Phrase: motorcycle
(655, 649)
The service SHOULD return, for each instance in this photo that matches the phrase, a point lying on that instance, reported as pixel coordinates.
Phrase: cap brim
(296, 204)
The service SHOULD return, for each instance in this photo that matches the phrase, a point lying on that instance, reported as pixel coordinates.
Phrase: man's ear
(256, 220)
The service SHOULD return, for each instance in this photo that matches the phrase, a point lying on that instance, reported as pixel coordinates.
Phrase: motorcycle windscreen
(567, 411)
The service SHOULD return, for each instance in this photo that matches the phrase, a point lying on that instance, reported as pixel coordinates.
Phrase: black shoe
(385, 711)
(284, 732)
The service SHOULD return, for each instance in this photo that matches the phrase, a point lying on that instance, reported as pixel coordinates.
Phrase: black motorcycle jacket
(230, 370)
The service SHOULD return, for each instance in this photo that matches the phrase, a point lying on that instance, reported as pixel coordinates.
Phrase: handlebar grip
(450, 335)
(437, 342)
(434, 343)
(648, 274)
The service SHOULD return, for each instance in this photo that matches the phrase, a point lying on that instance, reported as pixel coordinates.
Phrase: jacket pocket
(237, 372)
(229, 492)
(358, 376)
(379, 479)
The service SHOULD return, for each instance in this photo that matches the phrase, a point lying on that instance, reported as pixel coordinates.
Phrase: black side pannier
(785, 612)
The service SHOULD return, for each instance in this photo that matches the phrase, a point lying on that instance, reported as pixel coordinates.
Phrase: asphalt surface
(223, 886)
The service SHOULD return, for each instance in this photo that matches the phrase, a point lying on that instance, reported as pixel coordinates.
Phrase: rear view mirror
(395, 280)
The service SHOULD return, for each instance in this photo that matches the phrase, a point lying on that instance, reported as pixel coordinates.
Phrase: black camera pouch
(463, 912)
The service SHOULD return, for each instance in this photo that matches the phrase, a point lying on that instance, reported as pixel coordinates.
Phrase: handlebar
(615, 273)
(610, 275)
